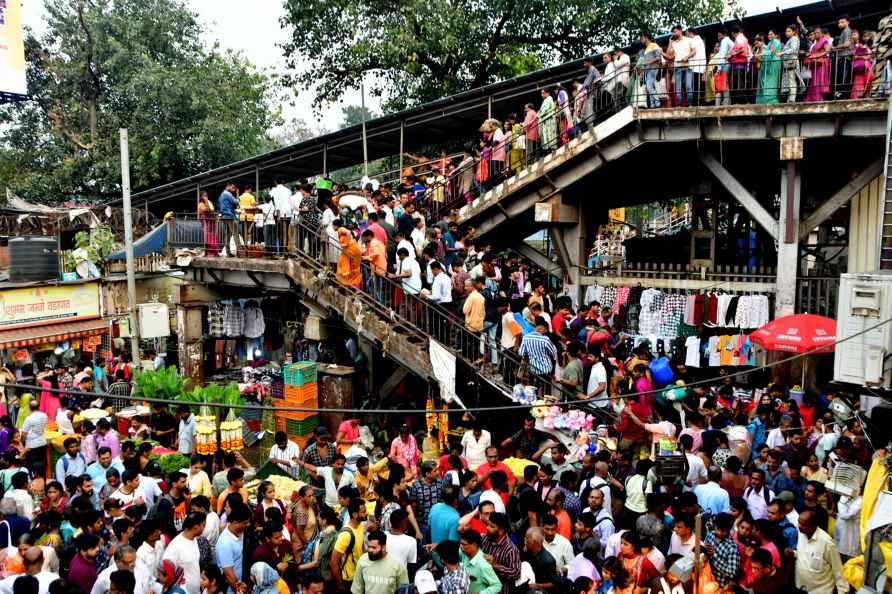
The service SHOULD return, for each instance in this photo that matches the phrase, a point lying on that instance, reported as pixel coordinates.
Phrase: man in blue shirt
(227, 205)
(230, 547)
(444, 517)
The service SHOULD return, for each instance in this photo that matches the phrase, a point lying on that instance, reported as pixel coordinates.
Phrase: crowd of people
(507, 510)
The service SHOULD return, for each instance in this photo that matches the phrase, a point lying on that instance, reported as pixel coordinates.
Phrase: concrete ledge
(755, 110)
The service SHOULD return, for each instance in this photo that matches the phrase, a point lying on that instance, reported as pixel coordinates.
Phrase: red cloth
(712, 309)
(486, 469)
(443, 465)
(698, 309)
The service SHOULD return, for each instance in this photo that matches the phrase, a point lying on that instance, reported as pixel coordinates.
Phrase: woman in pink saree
(862, 67)
(818, 64)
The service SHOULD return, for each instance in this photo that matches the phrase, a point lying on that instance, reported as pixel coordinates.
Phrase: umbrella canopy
(799, 333)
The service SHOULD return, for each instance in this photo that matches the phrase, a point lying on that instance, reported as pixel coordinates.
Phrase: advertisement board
(12, 49)
(39, 306)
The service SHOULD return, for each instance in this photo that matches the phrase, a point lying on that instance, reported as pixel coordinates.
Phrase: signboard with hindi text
(43, 305)
(12, 49)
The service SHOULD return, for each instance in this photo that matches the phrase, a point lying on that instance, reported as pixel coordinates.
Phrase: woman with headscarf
(349, 271)
(548, 122)
(266, 580)
(172, 578)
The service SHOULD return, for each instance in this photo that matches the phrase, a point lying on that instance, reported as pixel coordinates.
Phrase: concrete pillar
(788, 240)
(190, 342)
(576, 242)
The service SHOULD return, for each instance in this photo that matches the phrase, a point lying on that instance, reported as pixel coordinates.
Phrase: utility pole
(128, 244)
(365, 146)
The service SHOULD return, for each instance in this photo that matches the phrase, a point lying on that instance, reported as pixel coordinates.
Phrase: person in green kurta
(24, 409)
(770, 70)
(548, 122)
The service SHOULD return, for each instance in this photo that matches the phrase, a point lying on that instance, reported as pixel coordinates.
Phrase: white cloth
(696, 471)
(848, 525)
(712, 349)
(24, 502)
(186, 436)
(212, 528)
(692, 351)
(685, 548)
(145, 582)
(474, 450)
(149, 557)
(621, 72)
(44, 579)
(282, 200)
(34, 428)
(443, 366)
(441, 289)
(494, 498)
(331, 489)
(698, 63)
(775, 438)
(183, 553)
(402, 547)
(411, 283)
(757, 502)
(682, 49)
(598, 376)
(64, 423)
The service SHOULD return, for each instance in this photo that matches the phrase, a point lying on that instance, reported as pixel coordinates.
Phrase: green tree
(420, 50)
(352, 115)
(109, 64)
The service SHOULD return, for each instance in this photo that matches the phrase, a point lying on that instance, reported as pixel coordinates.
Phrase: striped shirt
(540, 352)
(506, 560)
(289, 452)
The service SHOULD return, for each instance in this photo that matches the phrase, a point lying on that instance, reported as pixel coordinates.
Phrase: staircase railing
(390, 298)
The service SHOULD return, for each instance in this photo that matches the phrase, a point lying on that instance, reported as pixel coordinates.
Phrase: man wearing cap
(425, 582)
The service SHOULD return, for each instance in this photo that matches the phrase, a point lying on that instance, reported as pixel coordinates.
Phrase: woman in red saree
(862, 67)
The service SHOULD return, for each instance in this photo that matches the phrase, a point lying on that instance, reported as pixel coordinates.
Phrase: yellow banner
(40, 306)
(12, 49)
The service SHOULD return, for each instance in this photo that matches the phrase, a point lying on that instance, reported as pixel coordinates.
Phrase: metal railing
(763, 78)
(382, 292)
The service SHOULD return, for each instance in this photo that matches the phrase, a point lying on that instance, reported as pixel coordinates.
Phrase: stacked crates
(301, 390)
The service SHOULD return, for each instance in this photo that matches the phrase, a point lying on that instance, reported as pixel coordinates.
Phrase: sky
(256, 33)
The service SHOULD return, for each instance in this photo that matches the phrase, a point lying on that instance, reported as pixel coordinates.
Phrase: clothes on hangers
(215, 320)
(649, 317)
(253, 324)
(692, 352)
(233, 319)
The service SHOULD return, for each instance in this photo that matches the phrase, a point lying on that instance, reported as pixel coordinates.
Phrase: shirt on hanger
(692, 351)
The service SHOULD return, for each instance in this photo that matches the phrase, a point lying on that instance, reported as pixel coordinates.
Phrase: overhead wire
(515, 406)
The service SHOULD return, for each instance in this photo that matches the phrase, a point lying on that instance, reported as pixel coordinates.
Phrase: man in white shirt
(711, 496)
(418, 236)
(758, 495)
(285, 454)
(696, 467)
(62, 418)
(33, 561)
(818, 564)
(559, 547)
(24, 502)
(400, 545)
(622, 68)
(186, 433)
(698, 63)
(726, 44)
(408, 270)
(150, 552)
(682, 53)
(441, 288)
(682, 541)
(596, 391)
(282, 199)
(402, 242)
(125, 560)
(183, 552)
(474, 444)
(34, 429)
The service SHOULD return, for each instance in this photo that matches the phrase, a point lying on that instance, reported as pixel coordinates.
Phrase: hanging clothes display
(233, 318)
(215, 320)
(253, 324)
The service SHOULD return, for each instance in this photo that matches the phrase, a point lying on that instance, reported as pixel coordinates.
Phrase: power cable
(362, 411)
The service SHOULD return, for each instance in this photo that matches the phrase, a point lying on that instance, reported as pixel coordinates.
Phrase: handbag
(805, 74)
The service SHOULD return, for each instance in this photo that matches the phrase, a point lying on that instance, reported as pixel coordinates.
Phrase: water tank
(33, 259)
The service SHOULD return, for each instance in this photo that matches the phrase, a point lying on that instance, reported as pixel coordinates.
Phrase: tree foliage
(424, 49)
(352, 115)
(109, 64)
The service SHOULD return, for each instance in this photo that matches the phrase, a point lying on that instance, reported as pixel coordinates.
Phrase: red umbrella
(799, 333)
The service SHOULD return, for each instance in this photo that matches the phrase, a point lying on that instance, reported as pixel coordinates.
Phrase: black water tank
(33, 259)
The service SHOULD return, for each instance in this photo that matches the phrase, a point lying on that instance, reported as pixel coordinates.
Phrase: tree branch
(494, 42)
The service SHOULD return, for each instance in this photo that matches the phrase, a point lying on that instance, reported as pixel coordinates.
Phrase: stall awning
(22, 337)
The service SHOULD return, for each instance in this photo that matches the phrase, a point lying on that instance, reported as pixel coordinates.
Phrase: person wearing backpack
(758, 495)
(348, 547)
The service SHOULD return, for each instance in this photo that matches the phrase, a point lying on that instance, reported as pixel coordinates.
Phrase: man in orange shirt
(375, 254)
(491, 465)
(555, 503)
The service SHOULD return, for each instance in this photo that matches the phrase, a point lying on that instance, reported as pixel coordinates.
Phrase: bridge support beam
(539, 259)
(739, 193)
(788, 240)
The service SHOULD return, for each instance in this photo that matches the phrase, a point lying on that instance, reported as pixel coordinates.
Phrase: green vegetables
(171, 462)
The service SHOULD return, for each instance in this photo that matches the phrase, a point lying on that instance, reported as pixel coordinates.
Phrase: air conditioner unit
(865, 300)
